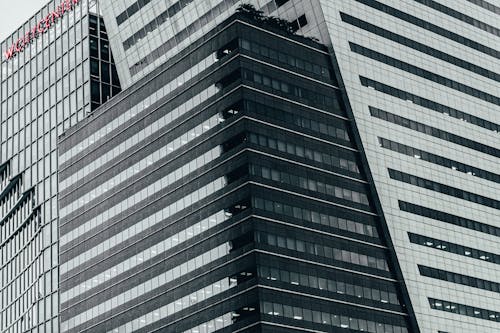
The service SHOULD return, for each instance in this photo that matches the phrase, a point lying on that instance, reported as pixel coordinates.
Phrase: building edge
(373, 190)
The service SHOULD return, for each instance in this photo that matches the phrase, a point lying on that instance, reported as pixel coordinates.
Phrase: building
(49, 82)
(418, 79)
(422, 81)
(226, 191)
(144, 34)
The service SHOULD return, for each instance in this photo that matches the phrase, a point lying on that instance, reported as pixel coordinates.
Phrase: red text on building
(40, 28)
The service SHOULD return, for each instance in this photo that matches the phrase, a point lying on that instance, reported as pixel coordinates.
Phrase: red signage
(40, 28)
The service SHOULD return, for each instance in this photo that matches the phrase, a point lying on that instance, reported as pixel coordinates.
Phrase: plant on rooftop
(249, 11)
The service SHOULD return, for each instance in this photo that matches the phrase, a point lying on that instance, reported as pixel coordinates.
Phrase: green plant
(252, 13)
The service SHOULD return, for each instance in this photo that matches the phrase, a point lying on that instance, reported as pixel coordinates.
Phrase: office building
(422, 78)
(226, 191)
(422, 81)
(49, 82)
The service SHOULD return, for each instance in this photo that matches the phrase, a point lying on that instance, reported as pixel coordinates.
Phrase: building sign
(43, 26)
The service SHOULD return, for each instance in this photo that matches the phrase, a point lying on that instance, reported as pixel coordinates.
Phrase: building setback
(226, 191)
(48, 83)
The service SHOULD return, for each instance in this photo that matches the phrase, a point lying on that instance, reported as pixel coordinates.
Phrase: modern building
(422, 83)
(226, 191)
(422, 78)
(49, 82)
(144, 34)
(418, 82)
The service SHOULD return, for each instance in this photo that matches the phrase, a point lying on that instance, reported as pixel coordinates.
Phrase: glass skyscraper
(48, 84)
(226, 191)
(422, 78)
(248, 179)
(422, 81)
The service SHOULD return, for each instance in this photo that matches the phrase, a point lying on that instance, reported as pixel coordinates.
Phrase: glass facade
(145, 34)
(104, 82)
(420, 74)
(232, 196)
(228, 188)
(422, 78)
(45, 89)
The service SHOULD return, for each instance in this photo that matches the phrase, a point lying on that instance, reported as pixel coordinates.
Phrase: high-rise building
(147, 33)
(226, 191)
(49, 82)
(422, 83)
(423, 80)
(412, 84)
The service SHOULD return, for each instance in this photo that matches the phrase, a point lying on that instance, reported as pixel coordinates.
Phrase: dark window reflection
(94, 67)
(105, 72)
(95, 91)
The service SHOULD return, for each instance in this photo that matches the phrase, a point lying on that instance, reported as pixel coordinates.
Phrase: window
(425, 156)
(335, 319)
(280, 3)
(302, 20)
(95, 91)
(448, 218)
(454, 248)
(464, 310)
(445, 189)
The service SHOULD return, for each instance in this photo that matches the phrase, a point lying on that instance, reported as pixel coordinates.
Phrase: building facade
(144, 34)
(418, 77)
(47, 85)
(225, 191)
(421, 78)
